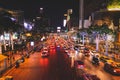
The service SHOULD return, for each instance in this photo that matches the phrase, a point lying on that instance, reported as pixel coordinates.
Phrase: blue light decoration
(13, 19)
(27, 26)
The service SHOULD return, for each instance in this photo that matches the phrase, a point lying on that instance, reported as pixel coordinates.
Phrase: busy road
(58, 65)
(96, 69)
(53, 67)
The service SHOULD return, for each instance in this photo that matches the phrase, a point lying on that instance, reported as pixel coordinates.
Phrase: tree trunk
(83, 40)
(11, 39)
(0, 48)
(106, 46)
(4, 43)
(97, 42)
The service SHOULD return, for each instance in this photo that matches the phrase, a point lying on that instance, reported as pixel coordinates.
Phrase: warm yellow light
(65, 14)
(114, 5)
(28, 34)
(113, 9)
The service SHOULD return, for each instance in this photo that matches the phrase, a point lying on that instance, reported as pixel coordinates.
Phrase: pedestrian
(13, 58)
(8, 58)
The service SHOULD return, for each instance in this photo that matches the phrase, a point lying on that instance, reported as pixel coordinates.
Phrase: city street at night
(53, 67)
(60, 40)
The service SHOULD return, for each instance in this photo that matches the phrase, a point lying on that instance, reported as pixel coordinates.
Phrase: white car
(45, 52)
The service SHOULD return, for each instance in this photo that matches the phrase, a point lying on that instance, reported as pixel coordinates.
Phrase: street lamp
(69, 12)
(41, 10)
(81, 12)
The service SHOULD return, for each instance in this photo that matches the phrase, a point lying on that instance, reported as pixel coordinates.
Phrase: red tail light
(80, 66)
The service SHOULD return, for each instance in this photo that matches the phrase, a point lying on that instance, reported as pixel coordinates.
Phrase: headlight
(114, 70)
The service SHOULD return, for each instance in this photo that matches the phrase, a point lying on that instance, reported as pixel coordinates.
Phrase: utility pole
(81, 12)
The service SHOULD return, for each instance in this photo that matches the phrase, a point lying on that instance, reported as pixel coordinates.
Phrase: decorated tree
(99, 31)
(83, 33)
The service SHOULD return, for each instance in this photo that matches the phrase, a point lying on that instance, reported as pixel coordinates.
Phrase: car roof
(80, 62)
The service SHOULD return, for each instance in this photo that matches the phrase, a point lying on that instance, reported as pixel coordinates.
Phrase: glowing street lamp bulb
(41, 8)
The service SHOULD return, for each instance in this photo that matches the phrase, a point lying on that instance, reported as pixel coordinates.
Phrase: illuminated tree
(100, 31)
(114, 4)
(83, 33)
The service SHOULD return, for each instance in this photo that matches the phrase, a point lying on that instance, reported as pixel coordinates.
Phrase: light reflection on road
(44, 62)
(96, 70)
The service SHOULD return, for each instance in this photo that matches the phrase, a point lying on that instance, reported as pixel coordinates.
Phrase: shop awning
(2, 57)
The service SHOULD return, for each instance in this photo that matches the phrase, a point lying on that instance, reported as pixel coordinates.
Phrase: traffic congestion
(78, 60)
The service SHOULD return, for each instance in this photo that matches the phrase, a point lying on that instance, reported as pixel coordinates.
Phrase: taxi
(112, 67)
(104, 59)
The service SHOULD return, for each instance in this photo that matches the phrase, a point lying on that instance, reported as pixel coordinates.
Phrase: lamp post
(81, 12)
(41, 10)
(69, 12)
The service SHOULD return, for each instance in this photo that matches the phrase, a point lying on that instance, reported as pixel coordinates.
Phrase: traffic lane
(55, 67)
(60, 66)
(101, 72)
(30, 69)
(97, 70)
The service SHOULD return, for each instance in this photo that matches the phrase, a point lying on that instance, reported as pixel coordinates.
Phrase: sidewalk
(10, 62)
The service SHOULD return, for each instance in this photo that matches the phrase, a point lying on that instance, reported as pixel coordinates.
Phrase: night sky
(53, 9)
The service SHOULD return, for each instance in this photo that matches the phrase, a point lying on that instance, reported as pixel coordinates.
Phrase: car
(112, 67)
(104, 59)
(79, 67)
(81, 47)
(45, 52)
(52, 47)
(89, 76)
(78, 64)
(94, 53)
(95, 60)
(67, 50)
(86, 52)
(76, 47)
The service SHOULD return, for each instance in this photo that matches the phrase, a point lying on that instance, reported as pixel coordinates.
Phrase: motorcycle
(95, 61)
(17, 64)
(22, 59)
(28, 55)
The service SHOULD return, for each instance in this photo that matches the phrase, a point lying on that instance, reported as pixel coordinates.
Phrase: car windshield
(80, 62)
(45, 49)
(106, 58)
(114, 64)
(44, 53)
(118, 65)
